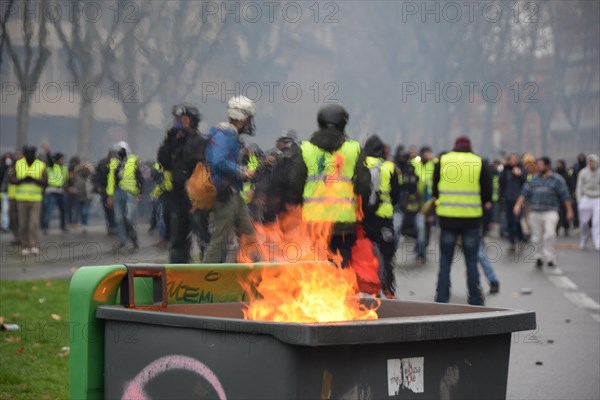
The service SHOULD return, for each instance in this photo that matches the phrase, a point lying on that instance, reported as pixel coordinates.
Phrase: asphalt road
(559, 360)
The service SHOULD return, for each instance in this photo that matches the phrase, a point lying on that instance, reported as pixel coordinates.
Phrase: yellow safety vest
(425, 174)
(385, 209)
(329, 191)
(495, 188)
(57, 175)
(29, 191)
(253, 164)
(166, 184)
(459, 188)
(128, 183)
(12, 191)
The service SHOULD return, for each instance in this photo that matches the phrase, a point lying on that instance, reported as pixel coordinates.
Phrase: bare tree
(575, 33)
(87, 58)
(28, 61)
(165, 62)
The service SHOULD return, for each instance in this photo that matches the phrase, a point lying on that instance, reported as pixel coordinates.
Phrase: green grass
(34, 362)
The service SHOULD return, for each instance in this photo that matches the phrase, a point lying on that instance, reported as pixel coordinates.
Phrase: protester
(182, 149)
(81, 194)
(30, 177)
(54, 194)
(544, 193)
(124, 183)
(378, 208)
(588, 201)
(223, 154)
(511, 181)
(561, 169)
(462, 188)
(322, 175)
(101, 181)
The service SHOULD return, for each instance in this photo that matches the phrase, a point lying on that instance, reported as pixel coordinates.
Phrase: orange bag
(365, 264)
(200, 189)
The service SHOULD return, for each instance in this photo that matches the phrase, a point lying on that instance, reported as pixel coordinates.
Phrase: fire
(305, 293)
(307, 287)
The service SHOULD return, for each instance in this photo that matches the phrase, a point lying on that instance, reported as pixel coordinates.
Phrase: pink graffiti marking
(135, 388)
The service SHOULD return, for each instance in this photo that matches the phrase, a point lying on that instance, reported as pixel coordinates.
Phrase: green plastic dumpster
(174, 334)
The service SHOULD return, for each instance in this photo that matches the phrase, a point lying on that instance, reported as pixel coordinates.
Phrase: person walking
(223, 153)
(30, 177)
(123, 190)
(54, 194)
(182, 149)
(462, 188)
(379, 210)
(544, 193)
(322, 178)
(82, 190)
(588, 202)
(511, 181)
(101, 181)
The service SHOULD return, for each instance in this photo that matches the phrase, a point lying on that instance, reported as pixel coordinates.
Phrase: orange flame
(307, 287)
(305, 293)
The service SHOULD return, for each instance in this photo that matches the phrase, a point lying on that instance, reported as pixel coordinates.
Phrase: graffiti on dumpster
(135, 388)
(208, 286)
(181, 292)
(406, 373)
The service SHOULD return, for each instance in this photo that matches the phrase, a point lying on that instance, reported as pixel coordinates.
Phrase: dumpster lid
(399, 321)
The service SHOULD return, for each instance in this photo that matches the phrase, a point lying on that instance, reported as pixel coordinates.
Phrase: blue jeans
(485, 264)
(471, 239)
(125, 212)
(51, 200)
(420, 225)
(80, 211)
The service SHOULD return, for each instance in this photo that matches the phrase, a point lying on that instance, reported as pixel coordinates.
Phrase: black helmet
(332, 115)
(194, 114)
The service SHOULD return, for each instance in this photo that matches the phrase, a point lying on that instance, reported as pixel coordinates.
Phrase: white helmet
(240, 107)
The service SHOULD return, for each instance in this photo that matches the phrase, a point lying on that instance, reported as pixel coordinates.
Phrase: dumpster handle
(158, 273)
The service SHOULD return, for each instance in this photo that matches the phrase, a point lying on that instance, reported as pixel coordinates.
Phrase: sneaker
(420, 260)
(34, 250)
(135, 244)
(494, 287)
(539, 263)
(25, 251)
(551, 264)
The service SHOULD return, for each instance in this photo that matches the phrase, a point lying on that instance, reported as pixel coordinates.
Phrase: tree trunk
(23, 120)
(84, 128)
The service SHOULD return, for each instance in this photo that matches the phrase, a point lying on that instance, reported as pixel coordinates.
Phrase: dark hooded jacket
(181, 150)
(329, 139)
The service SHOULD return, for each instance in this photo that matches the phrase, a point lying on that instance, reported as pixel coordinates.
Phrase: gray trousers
(229, 215)
(29, 223)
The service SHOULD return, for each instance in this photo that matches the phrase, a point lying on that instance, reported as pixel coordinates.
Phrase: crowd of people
(392, 196)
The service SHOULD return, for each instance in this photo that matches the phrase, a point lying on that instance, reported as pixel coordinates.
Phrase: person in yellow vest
(123, 190)
(163, 183)
(379, 210)
(54, 194)
(462, 188)
(30, 177)
(322, 178)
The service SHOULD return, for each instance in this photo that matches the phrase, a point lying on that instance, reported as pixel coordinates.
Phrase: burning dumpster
(412, 350)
